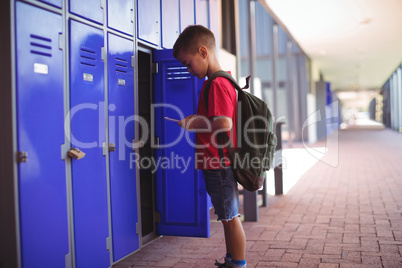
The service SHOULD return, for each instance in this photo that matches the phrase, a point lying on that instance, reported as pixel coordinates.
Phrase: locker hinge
(69, 262)
(104, 53)
(64, 150)
(132, 15)
(155, 68)
(61, 41)
(138, 227)
(133, 61)
(102, 4)
(157, 216)
(108, 243)
(155, 143)
(138, 144)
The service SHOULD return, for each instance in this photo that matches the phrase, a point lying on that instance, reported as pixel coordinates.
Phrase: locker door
(201, 12)
(89, 187)
(121, 15)
(186, 14)
(148, 15)
(170, 22)
(40, 133)
(181, 197)
(121, 134)
(88, 9)
(56, 3)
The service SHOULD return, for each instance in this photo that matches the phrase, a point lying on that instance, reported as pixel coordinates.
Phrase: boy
(195, 49)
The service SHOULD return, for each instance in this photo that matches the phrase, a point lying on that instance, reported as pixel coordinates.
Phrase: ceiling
(356, 44)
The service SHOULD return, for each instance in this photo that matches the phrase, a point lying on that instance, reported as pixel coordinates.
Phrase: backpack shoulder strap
(223, 136)
(228, 76)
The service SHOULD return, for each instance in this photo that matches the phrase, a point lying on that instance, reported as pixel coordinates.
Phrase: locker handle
(22, 157)
(112, 147)
(76, 153)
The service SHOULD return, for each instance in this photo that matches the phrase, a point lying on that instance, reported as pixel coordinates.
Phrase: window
(228, 26)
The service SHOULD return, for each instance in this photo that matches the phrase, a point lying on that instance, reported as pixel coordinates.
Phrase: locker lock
(112, 147)
(22, 157)
(76, 153)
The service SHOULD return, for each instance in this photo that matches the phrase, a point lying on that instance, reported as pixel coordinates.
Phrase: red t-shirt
(222, 101)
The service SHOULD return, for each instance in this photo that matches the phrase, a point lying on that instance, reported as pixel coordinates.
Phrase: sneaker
(220, 265)
(232, 265)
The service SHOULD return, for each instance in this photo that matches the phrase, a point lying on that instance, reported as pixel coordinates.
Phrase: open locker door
(181, 197)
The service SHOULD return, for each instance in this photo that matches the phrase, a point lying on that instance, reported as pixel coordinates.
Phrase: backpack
(256, 141)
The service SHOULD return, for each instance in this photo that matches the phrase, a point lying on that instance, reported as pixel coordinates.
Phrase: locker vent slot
(41, 53)
(177, 73)
(121, 65)
(41, 45)
(33, 36)
(88, 57)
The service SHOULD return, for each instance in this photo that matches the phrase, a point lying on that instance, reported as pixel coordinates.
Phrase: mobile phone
(171, 119)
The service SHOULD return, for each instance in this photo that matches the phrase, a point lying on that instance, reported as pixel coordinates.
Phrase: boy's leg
(235, 238)
(225, 198)
(227, 239)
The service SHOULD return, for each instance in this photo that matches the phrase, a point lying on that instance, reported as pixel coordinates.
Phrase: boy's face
(196, 63)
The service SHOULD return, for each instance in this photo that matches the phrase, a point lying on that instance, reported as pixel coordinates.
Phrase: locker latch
(76, 153)
(112, 147)
(22, 157)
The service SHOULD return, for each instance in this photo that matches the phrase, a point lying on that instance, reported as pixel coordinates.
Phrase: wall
(8, 232)
(83, 25)
(392, 100)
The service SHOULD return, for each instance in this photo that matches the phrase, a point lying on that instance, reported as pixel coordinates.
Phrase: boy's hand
(187, 123)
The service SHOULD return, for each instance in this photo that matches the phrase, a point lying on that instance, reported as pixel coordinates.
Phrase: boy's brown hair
(192, 38)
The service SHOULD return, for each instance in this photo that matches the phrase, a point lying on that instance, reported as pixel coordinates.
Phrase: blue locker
(170, 22)
(121, 15)
(56, 3)
(89, 187)
(121, 134)
(181, 196)
(201, 13)
(40, 133)
(148, 24)
(88, 9)
(186, 14)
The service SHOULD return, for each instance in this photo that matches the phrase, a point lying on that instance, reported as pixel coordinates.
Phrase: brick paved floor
(344, 216)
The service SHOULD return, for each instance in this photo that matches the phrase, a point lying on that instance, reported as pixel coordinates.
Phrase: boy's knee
(232, 222)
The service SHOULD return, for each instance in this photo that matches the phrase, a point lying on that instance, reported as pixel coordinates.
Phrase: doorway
(147, 178)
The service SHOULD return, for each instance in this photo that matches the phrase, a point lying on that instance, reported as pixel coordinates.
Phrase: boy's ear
(203, 51)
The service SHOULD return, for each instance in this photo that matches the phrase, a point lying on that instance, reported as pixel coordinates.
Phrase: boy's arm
(203, 124)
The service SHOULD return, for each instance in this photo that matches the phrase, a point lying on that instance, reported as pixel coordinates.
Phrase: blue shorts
(223, 192)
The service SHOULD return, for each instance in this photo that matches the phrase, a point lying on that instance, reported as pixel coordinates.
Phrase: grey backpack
(256, 141)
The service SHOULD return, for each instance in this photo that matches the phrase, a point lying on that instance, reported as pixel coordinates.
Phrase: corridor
(349, 215)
